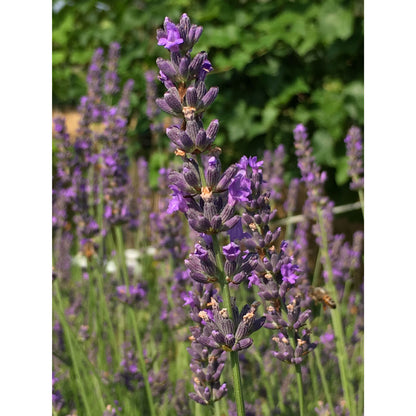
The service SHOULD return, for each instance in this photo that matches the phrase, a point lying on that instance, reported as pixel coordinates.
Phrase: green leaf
(223, 37)
(239, 59)
(335, 22)
(243, 122)
(354, 101)
(329, 112)
(269, 114)
(310, 41)
(323, 147)
(58, 57)
(82, 57)
(341, 174)
(298, 86)
(60, 35)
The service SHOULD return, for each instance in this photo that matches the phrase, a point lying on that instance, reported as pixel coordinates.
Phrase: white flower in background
(111, 267)
(151, 251)
(132, 257)
(80, 260)
(132, 254)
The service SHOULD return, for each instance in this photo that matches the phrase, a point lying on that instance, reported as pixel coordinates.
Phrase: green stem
(100, 217)
(317, 270)
(289, 228)
(314, 378)
(201, 171)
(281, 402)
(346, 293)
(323, 380)
(74, 358)
(361, 388)
(121, 257)
(91, 299)
(336, 320)
(217, 408)
(361, 196)
(104, 308)
(198, 409)
(300, 389)
(142, 364)
(264, 376)
(292, 338)
(225, 292)
(340, 209)
(238, 389)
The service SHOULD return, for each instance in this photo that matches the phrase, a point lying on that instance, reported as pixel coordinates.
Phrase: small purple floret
(231, 251)
(289, 273)
(172, 38)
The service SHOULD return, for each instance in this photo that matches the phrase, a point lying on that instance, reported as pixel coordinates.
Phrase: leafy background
(277, 63)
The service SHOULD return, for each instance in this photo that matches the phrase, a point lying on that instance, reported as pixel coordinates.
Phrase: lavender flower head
(111, 77)
(354, 145)
(313, 178)
(205, 194)
(273, 172)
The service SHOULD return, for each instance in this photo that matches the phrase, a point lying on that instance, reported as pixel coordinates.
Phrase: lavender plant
(210, 200)
(319, 208)
(207, 196)
(151, 282)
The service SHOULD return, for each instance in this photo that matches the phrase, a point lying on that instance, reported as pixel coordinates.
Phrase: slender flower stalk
(354, 144)
(273, 173)
(319, 209)
(324, 381)
(74, 353)
(336, 321)
(204, 194)
(300, 390)
(235, 366)
(111, 79)
(133, 319)
(290, 204)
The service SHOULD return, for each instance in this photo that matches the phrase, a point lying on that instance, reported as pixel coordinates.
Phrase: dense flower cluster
(211, 201)
(319, 209)
(273, 173)
(207, 196)
(95, 163)
(207, 362)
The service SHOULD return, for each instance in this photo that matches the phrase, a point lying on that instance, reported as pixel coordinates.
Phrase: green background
(277, 63)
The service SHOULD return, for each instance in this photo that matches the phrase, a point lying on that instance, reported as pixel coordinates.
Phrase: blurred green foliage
(277, 63)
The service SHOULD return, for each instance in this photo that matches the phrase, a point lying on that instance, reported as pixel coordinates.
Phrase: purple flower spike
(354, 146)
(171, 38)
